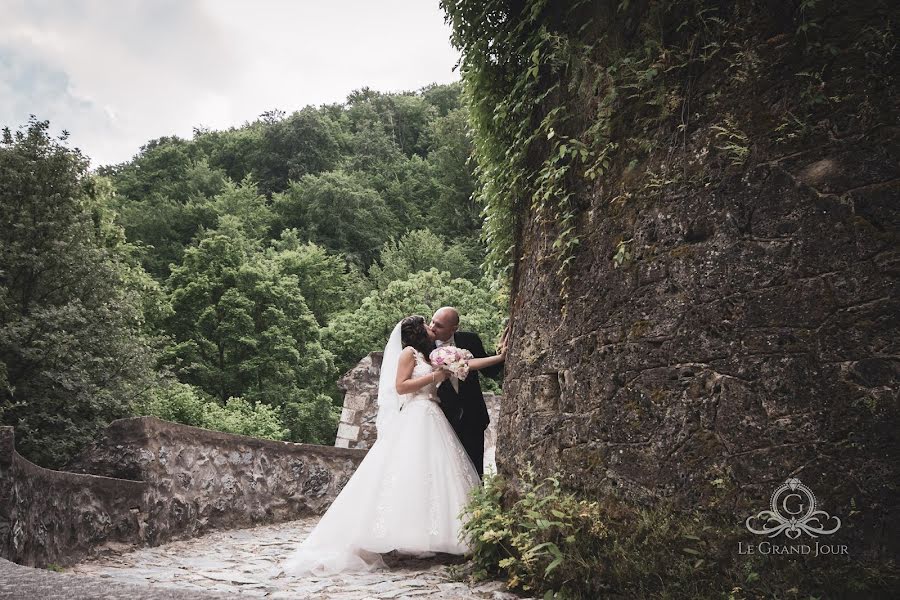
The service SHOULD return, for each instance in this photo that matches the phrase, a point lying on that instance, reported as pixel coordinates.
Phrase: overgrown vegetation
(544, 541)
(613, 96)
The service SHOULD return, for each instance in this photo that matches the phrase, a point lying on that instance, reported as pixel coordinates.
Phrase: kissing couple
(408, 493)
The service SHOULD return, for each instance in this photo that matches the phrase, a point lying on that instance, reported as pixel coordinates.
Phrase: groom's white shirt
(450, 342)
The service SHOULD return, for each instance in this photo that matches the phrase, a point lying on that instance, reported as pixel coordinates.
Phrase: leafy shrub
(544, 540)
(540, 541)
(182, 403)
(239, 416)
(177, 402)
(313, 420)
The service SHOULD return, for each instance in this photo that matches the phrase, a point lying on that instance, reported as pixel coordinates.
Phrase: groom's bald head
(449, 314)
(445, 322)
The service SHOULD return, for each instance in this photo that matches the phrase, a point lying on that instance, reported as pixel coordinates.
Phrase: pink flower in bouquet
(453, 359)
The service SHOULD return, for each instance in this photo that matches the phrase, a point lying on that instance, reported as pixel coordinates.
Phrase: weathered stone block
(348, 415)
(349, 432)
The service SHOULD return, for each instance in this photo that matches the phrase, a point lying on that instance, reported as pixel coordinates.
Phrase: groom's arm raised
(486, 363)
(490, 366)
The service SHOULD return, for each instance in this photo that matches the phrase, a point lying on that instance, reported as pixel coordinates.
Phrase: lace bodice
(422, 368)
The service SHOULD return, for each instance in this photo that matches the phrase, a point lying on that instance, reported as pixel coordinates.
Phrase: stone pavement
(24, 583)
(245, 561)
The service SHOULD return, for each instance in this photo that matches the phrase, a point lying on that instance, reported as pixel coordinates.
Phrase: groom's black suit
(466, 410)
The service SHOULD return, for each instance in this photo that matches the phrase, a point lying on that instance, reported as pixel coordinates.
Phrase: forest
(227, 281)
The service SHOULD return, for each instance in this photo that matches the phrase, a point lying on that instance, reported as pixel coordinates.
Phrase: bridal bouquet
(453, 359)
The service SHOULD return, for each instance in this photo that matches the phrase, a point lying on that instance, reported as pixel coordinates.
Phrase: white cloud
(117, 73)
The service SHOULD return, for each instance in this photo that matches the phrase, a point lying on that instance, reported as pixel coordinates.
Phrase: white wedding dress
(406, 495)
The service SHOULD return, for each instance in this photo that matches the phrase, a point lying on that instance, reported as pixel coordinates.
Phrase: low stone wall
(53, 516)
(147, 481)
(200, 479)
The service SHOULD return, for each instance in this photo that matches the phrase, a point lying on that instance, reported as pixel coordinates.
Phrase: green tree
(231, 150)
(443, 98)
(384, 163)
(450, 148)
(160, 196)
(327, 282)
(402, 117)
(407, 119)
(307, 142)
(168, 166)
(338, 211)
(373, 151)
(241, 328)
(410, 192)
(240, 202)
(420, 250)
(71, 341)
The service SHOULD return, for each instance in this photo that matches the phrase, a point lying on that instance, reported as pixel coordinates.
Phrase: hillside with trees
(238, 273)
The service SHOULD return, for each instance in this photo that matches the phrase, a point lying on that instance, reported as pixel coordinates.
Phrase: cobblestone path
(245, 562)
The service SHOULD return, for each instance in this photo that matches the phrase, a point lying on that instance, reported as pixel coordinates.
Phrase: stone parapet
(147, 481)
(52, 516)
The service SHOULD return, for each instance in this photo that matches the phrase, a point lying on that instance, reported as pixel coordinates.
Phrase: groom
(465, 410)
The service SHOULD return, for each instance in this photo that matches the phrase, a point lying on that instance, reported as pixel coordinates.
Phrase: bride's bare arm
(406, 384)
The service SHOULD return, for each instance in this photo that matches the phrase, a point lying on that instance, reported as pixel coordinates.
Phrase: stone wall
(712, 369)
(200, 479)
(737, 324)
(54, 517)
(147, 481)
(357, 426)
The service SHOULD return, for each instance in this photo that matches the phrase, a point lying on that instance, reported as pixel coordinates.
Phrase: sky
(118, 73)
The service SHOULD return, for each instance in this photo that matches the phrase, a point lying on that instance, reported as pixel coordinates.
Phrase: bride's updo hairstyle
(413, 333)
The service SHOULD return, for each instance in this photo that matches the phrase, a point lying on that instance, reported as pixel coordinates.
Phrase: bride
(408, 492)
